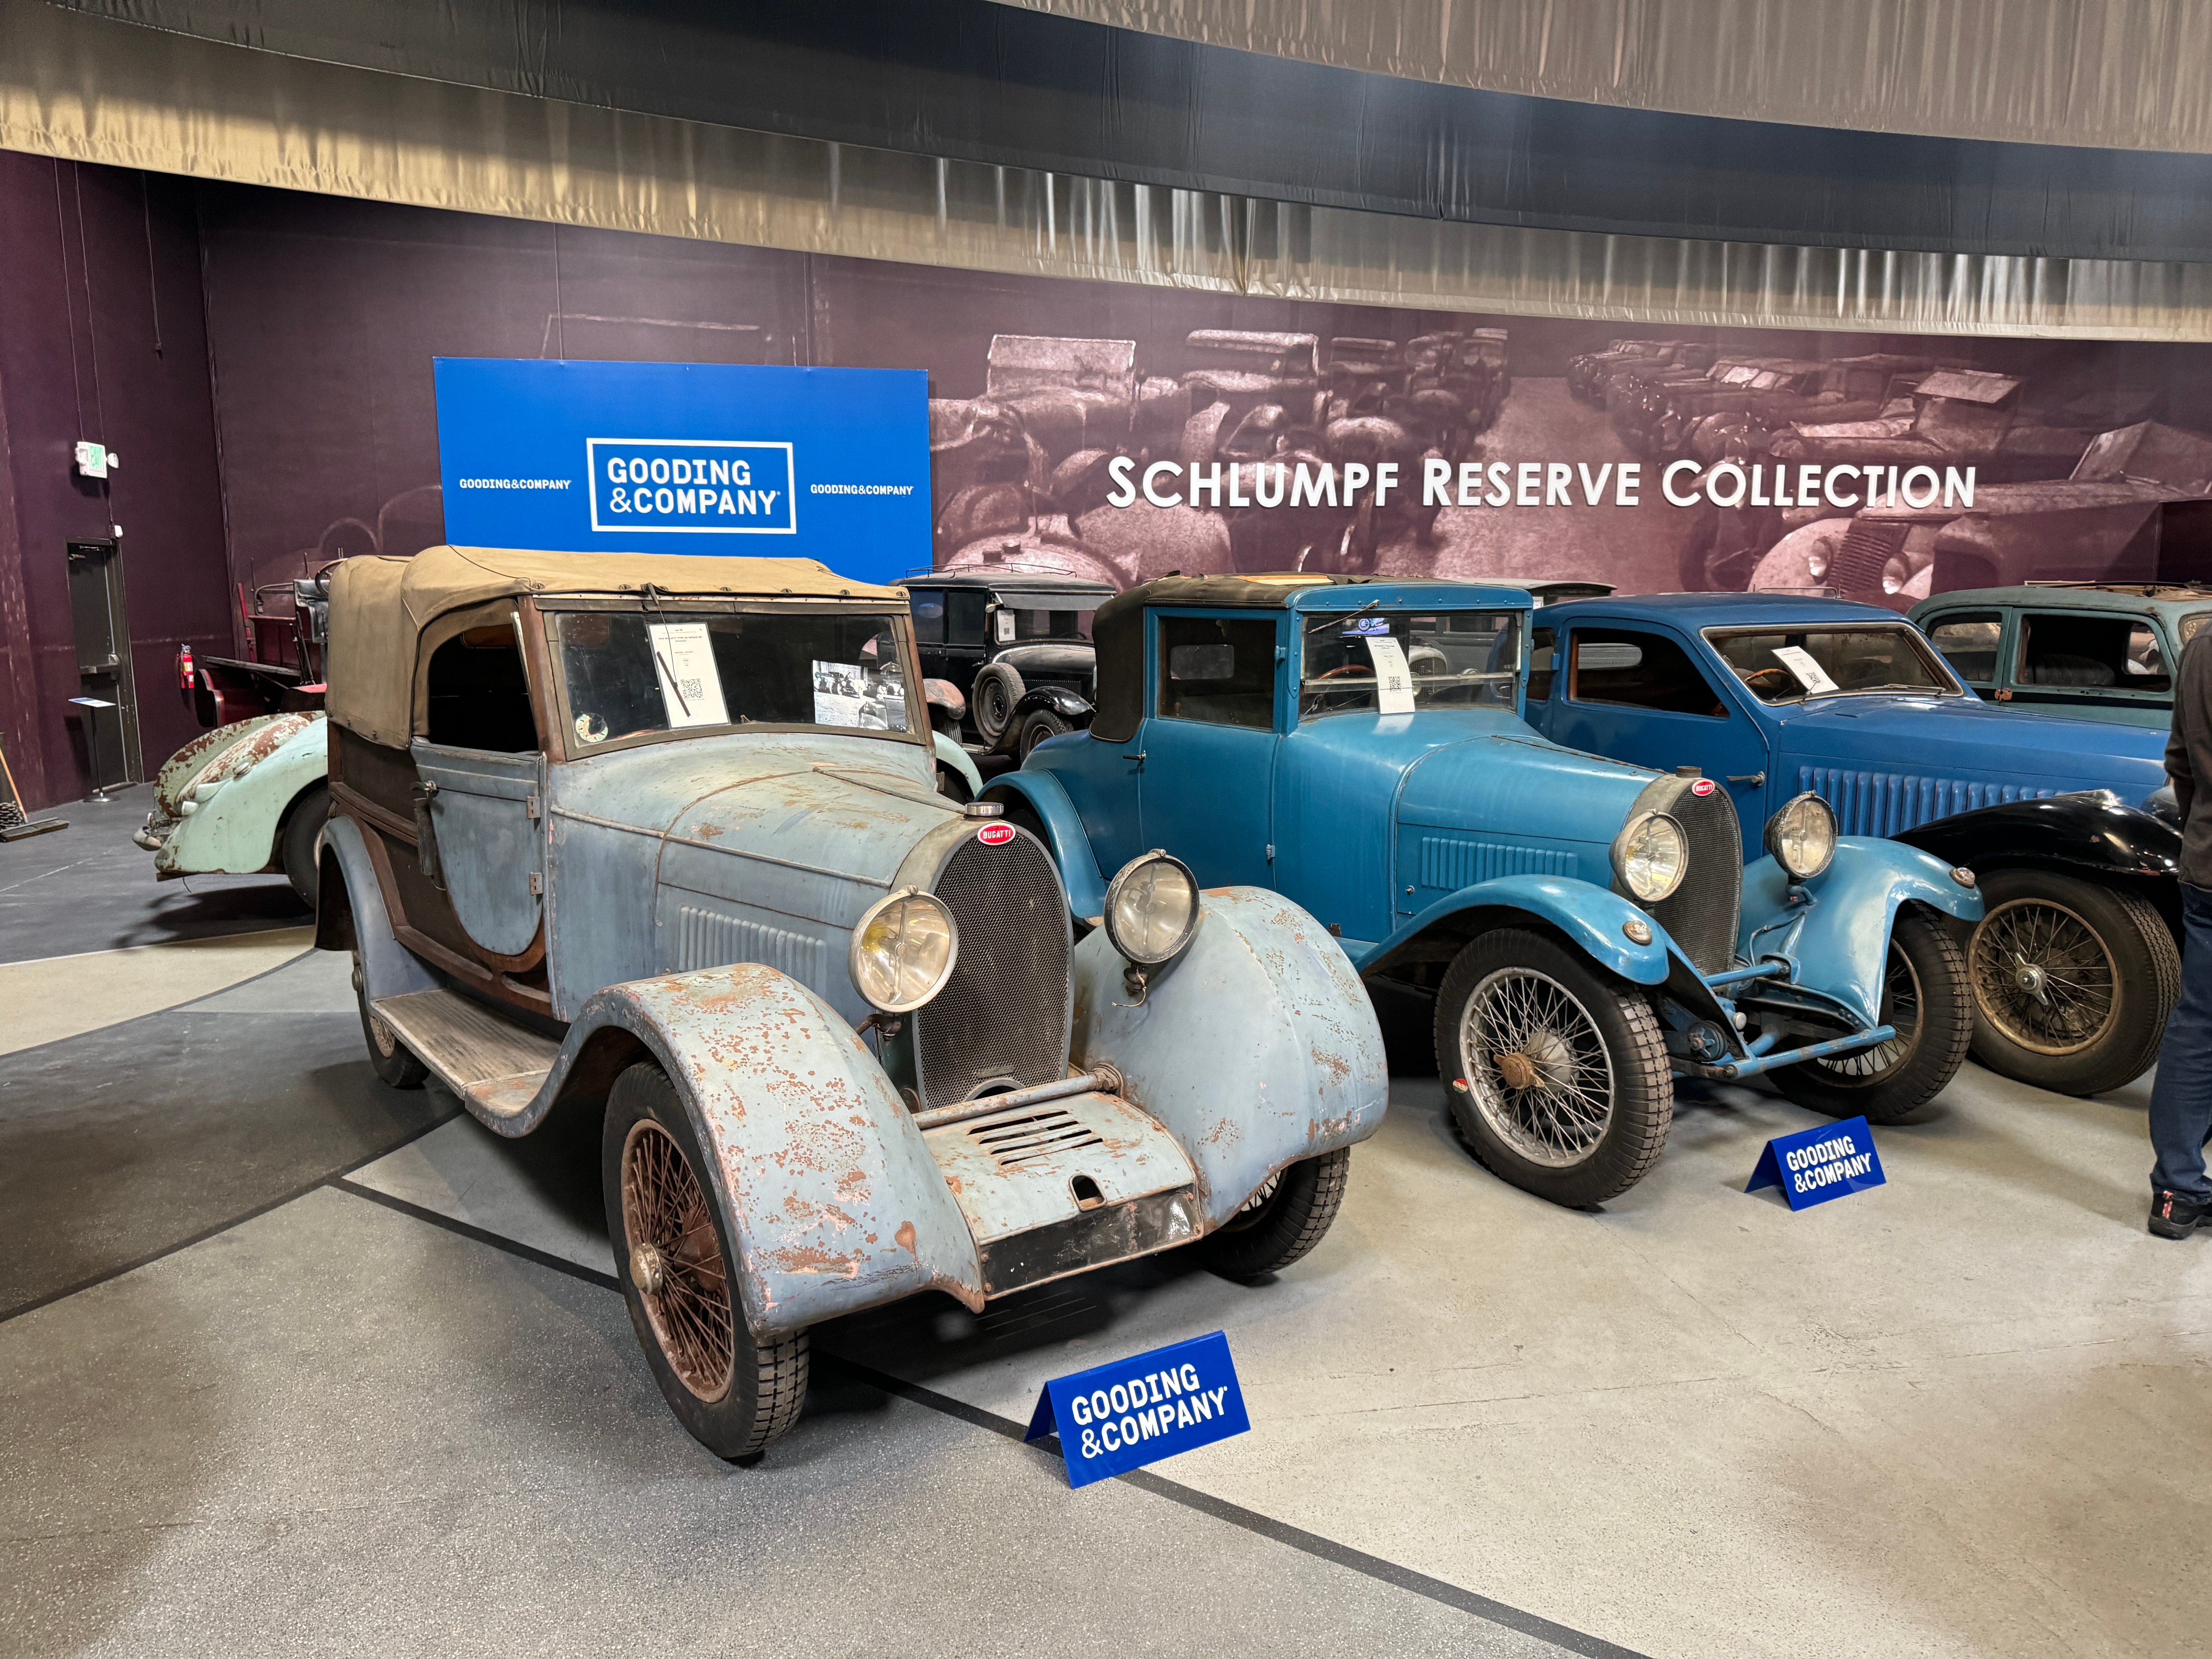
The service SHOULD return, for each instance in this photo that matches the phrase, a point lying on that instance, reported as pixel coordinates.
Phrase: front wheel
(394, 1060)
(674, 1257)
(2072, 981)
(1924, 996)
(1558, 1075)
(1282, 1221)
(302, 847)
(1038, 725)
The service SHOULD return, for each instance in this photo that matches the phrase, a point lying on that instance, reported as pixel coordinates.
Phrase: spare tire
(991, 700)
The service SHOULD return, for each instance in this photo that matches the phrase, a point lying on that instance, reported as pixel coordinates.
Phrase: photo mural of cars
(1588, 926)
(2095, 651)
(2076, 966)
(620, 834)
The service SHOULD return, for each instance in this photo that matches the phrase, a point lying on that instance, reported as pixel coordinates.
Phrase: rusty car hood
(830, 805)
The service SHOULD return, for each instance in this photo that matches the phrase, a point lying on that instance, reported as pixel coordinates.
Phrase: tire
(1040, 724)
(2118, 976)
(733, 1395)
(951, 784)
(1596, 1035)
(1926, 981)
(395, 1063)
(303, 839)
(991, 700)
(1284, 1220)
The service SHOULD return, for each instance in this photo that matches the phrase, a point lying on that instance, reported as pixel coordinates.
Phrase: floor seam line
(222, 1227)
(1398, 1576)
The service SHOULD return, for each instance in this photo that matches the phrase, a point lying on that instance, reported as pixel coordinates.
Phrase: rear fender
(1064, 836)
(835, 1202)
(1837, 944)
(1256, 1048)
(234, 831)
(350, 915)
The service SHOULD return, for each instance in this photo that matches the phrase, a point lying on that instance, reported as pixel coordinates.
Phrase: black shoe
(2172, 1216)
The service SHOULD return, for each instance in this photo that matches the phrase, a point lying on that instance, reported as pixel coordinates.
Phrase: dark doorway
(103, 662)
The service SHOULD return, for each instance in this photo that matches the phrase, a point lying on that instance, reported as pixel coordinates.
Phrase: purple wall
(102, 336)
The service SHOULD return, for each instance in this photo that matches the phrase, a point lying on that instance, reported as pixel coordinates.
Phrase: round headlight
(1651, 855)
(903, 951)
(1802, 836)
(1151, 908)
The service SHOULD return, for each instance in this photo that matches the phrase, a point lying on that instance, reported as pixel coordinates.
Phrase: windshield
(1433, 660)
(1787, 665)
(627, 673)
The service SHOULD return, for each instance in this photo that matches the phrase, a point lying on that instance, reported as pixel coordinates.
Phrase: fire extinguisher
(187, 676)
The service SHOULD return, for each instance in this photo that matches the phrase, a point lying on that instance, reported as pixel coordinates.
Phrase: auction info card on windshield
(691, 684)
(1137, 1411)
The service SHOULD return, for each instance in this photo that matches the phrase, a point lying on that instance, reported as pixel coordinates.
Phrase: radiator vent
(708, 938)
(1887, 803)
(1015, 1140)
(1452, 862)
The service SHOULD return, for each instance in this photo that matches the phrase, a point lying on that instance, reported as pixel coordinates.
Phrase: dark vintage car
(1588, 928)
(1015, 645)
(651, 843)
(2073, 968)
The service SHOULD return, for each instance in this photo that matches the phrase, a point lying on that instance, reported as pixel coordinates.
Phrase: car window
(928, 606)
(1453, 659)
(1539, 666)
(1968, 642)
(1789, 665)
(2101, 652)
(963, 615)
(629, 674)
(1035, 617)
(1219, 670)
(1644, 670)
(479, 694)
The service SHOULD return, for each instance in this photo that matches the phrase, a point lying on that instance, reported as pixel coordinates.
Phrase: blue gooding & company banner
(1139, 1410)
(1815, 1165)
(829, 463)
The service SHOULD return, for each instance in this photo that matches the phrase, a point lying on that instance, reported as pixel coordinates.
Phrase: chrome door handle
(1138, 757)
(1754, 779)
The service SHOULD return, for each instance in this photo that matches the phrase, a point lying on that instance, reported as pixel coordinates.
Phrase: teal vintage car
(1588, 926)
(2095, 651)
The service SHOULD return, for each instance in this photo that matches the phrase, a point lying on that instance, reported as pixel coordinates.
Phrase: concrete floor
(397, 1406)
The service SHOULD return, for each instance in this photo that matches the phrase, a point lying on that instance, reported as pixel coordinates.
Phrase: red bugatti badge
(1703, 787)
(995, 835)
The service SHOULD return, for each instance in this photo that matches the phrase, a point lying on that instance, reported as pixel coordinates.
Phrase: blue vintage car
(2075, 968)
(658, 839)
(1588, 926)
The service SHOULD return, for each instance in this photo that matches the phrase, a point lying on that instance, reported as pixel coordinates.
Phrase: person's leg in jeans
(2181, 1099)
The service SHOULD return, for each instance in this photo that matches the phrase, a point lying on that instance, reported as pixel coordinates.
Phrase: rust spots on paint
(905, 1235)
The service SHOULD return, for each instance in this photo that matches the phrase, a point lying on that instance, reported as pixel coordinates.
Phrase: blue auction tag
(1139, 1410)
(1815, 1165)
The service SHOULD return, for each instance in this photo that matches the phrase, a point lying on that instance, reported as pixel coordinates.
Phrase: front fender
(834, 1201)
(1837, 947)
(2083, 831)
(1256, 1048)
(950, 753)
(234, 832)
(1063, 834)
(1592, 917)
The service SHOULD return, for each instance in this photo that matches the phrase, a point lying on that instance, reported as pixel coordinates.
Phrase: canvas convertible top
(379, 608)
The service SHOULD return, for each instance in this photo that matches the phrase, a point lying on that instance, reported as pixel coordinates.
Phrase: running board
(494, 1065)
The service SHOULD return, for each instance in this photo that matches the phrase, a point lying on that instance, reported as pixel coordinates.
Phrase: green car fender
(229, 816)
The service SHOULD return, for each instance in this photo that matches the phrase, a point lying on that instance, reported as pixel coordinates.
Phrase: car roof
(2132, 598)
(1299, 591)
(1021, 581)
(1717, 610)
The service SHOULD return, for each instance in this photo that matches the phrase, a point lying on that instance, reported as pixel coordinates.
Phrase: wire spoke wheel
(676, 1260)
(1900, 1006)
(1536, 1067)
(2044, 976)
